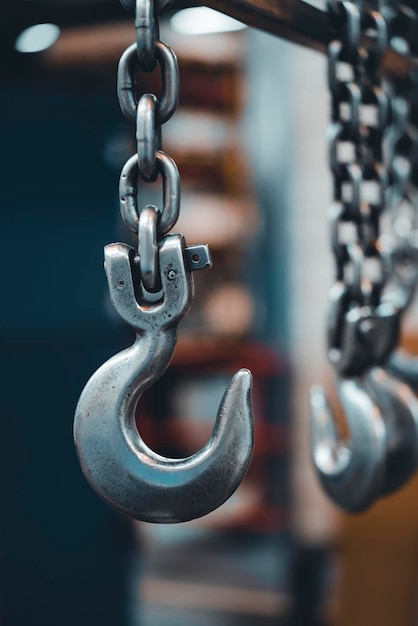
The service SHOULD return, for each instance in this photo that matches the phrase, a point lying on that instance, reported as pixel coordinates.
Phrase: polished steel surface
(148, 249)
(126, 84)
(128, 192)
(115, 460)
(148, 141)
(146, 34)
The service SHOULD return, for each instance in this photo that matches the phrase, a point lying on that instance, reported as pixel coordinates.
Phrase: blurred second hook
(381, 453)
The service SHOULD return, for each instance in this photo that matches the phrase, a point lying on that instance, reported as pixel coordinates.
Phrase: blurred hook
(351, 472)
(121, 468)
(399, 408)
(382, 452)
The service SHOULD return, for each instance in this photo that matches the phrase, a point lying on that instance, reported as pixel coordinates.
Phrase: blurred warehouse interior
(248, 139)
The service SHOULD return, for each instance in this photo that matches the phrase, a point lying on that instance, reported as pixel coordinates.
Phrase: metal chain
(362, 326)
(125, 472)
(373, 165)
(149, 114)
(401, 244)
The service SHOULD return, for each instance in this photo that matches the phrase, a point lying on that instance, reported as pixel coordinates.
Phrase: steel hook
(351, 472)
(382, 452)
(381, 412)
(117, 463)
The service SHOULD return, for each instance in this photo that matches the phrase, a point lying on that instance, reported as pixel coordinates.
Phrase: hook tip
(241, 386)
(245, 377)
(237, 399)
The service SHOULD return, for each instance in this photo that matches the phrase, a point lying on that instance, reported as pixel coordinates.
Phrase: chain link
(147, 244)
(128, 190)
(126, 86)
(149, 114)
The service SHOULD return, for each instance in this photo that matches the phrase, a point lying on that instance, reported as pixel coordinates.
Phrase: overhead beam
(299, 22)
(294, 20)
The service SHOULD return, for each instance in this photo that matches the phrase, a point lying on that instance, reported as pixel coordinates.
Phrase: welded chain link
(149, 113)
(362, 328)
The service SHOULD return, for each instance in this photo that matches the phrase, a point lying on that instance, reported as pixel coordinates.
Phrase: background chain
(402, 243)
(360, 117)
(373, 152)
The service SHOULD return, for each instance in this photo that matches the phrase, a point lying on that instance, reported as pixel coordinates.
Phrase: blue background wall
(64, 551)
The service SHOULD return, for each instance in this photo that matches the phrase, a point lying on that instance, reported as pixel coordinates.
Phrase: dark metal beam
(294, 20)
(299, 22)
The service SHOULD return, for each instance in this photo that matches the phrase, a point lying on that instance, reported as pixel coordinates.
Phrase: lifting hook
(117, 463)
(381, 412)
